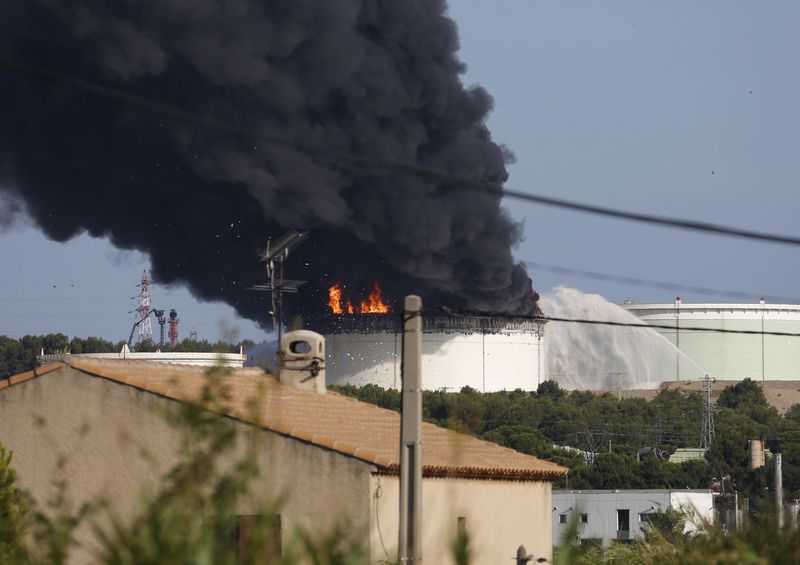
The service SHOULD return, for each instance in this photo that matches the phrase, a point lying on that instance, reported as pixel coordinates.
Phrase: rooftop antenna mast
(275, 258)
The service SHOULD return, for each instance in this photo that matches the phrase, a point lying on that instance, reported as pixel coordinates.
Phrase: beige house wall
(500, 516)
(116, 444)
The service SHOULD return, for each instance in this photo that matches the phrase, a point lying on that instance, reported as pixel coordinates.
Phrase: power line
(559, 269)
(634, 281)
(76, 298)
(674, 222)
(446, 179)
(665, 327)
(501, 315)
(19, 334)
(56, 315)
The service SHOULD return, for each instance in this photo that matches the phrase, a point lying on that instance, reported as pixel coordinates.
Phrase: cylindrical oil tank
(731, 356)
(483, 353)
(756, 453)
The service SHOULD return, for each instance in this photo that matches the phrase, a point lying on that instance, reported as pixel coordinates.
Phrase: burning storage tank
(731, 356)
(364, 346)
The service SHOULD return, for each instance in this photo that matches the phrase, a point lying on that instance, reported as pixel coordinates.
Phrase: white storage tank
(483, 353)
(731, 356)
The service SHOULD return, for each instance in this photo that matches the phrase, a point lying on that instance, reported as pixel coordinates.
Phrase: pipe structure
(410, 541)
(779, 489)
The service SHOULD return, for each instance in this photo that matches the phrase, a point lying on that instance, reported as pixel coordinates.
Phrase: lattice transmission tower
(707, 421)
(143, 310)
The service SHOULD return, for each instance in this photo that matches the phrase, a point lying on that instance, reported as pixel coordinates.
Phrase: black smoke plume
(373, 78)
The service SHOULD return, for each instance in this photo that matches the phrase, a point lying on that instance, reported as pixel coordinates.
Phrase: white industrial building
(606, 516)
(729, 356)
(201, 359)
(486, 354)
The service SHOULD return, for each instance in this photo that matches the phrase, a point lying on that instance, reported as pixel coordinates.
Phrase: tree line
(610, 443)
(20, 354)
(192, 516)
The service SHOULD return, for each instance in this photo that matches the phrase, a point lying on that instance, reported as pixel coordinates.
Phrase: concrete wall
(484, 361)
(700, 506)
(211, 359)
(116, 445)
(500, 516)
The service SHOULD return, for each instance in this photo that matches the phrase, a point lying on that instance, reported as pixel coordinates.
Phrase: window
(592, 542)
(584, 518)
(623, 520)
(257, 538)
(461, 528)
(299, 347)
(562, 518)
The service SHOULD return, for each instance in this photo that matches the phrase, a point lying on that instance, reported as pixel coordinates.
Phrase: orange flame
(335, 299)
(373, 304)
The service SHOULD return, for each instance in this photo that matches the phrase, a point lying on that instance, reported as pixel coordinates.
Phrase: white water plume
(589, 356)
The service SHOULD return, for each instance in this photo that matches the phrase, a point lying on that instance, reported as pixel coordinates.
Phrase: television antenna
(275, 257)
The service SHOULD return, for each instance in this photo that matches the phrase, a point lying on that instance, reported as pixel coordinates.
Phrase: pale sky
(676, 108)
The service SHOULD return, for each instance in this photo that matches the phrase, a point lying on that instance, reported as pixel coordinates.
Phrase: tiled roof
(330, 420)
(27, 375)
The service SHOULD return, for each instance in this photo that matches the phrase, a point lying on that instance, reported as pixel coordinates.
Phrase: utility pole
(539, 335)
(538, 360)
(659, 431)
(677, 338)
(410, 543)
(779, 489)
(707, 419)
(763, 360)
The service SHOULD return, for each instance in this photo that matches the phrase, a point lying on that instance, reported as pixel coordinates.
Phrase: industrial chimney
(173, 327)
(756, 453)
(756, 448)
